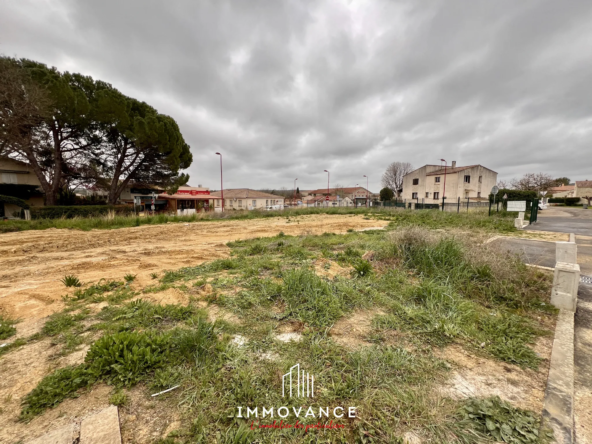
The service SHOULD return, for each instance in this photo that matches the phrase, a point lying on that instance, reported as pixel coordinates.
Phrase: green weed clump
(59, 323)
(7, 328)
(498, 420)
(97, 289)
(71, 281)
(123, 359)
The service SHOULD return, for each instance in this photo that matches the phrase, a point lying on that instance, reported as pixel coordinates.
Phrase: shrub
(125, 358)
(6, 328)
(54, 388)
(14, 201)
(71, 281)
(70, 212)
(497, 419)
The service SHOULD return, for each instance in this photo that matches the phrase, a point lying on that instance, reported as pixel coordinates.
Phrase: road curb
(558, 408)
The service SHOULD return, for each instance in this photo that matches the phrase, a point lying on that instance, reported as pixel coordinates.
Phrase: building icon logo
(301, 383)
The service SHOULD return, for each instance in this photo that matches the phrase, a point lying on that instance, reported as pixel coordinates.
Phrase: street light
(221, 183)
(444, 192)
(328, 192)
(294, 198)
(367, 193)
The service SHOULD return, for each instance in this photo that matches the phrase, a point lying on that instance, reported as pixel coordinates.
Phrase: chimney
(453, 164)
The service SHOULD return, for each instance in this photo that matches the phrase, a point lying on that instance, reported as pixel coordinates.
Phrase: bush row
(565, 200)
(70, 212)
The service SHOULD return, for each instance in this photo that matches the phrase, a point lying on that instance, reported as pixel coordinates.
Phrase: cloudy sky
(287, 89)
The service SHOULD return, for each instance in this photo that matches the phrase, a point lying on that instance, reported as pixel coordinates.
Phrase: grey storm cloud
(287, 89)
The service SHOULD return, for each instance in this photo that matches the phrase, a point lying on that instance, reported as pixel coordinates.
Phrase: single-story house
(247, 199)
(562, 191)
(17, 179)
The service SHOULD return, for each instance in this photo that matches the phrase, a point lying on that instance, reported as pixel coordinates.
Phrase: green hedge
(15, 201)
(69, 212)
(565, 200)
(513, 195)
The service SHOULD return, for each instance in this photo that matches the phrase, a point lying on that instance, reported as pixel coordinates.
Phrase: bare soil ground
(33, 262)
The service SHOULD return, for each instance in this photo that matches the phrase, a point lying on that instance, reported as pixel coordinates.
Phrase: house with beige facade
(582, 190)
(562, 191)
(17, 179)
(428, 182)
(247, 199)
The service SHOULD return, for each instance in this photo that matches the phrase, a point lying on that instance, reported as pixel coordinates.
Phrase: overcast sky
(287, 89)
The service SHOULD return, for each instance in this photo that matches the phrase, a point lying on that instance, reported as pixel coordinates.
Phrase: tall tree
(53, 146)
(134, 143)
(393, 176)
(562, 181)
(386, 194)
(23, 105)
(89, 131)
(533, 182)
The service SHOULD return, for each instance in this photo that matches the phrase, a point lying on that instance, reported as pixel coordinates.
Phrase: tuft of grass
(154, 275)
(71, 281)
(97, 290)
(362, 268)
(59, 323)
(118, 398)
(496, 419)
(129, 278)
(7, 328)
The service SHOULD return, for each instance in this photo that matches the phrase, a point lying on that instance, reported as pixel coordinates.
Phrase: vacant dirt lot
(33, 262)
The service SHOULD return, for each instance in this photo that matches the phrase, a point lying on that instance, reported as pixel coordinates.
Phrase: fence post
(468, 204)
(443, 202)
(490, 208)
(458, 207)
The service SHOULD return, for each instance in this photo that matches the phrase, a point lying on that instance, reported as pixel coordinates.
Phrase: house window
(436, 195)
(427, 194)
(267, 203)
(437, 179)
(240, 202)
(8, 178)
(467, 179)
(479, 194)
(415, 181)
(254, 203)
(413, 195)
(480, 179)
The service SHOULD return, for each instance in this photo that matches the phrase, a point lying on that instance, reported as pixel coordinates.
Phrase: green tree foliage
(88, 132)
(386, 194)
(562, 181)
(136, 143)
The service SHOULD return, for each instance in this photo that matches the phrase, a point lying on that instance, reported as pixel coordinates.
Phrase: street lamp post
(444, 191)
(328, 192)
(221, 182)
(367, 193)
(294, 197)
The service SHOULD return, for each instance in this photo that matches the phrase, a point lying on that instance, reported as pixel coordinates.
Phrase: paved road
(570, 220)
(564, 220)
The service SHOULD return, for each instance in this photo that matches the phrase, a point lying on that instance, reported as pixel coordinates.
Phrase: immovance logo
(297, 383)
(301, 383)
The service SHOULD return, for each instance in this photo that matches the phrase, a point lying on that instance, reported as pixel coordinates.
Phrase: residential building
(247, 199)
(427, 183)
(333, 201)
(357, 195)
(562, 191)
(17, 179)
(582, 189)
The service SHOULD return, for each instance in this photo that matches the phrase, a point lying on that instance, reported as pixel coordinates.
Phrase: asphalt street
(557, 219)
